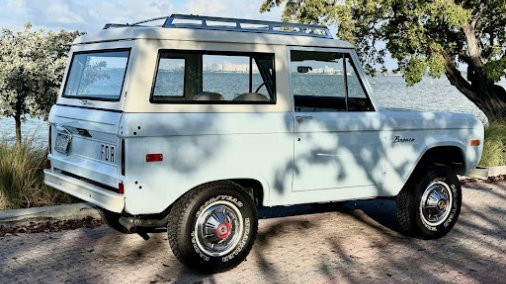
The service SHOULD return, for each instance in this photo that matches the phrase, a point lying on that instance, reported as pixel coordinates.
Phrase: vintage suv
(195, 122)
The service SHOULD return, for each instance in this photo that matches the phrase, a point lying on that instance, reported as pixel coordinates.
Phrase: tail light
(122, 162)
(48, 164)
(49, 138)
(121, 188)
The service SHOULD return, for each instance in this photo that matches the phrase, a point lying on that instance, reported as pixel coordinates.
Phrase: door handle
(301, 118)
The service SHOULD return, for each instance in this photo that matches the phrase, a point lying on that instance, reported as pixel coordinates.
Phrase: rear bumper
(103, 198)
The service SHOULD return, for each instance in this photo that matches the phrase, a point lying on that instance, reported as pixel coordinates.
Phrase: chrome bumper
(103, 198)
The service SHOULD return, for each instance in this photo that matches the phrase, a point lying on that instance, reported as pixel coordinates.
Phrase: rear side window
(97, 75)
(170, 78)
(214, 77)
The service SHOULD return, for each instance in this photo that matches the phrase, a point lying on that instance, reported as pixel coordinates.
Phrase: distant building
(228, 67)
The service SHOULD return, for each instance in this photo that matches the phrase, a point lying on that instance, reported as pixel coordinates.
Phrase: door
(338, 139)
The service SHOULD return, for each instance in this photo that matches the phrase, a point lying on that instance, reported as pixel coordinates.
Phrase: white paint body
(329, 157)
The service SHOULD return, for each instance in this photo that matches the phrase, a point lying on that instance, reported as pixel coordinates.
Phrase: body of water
(388, 92)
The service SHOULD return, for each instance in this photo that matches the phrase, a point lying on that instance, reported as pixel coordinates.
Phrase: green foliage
(420, 34)
(414, 70)
(436, 64)
(494, 148)
(21, 177)
(32, 64)
(496, 69)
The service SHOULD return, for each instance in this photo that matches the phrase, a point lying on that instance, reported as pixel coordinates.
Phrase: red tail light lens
(158, 157)
(48, 164)
(121, 188)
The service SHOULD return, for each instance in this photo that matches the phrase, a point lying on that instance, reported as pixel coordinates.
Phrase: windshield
(97, 75)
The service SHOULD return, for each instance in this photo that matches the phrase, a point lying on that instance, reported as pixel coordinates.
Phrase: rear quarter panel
(202, 147)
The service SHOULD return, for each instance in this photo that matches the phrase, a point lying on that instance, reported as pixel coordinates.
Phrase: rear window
(97, 75)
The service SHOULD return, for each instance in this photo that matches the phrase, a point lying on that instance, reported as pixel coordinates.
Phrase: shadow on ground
(353, 241)
(382, 211)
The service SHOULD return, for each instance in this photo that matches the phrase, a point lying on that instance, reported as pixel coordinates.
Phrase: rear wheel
(428, 206)
(213, 227)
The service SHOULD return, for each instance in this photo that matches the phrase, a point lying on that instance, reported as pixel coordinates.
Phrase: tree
(31, 70)
(425, 37)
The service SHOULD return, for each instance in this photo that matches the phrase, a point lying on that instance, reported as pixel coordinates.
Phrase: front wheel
(428, 207)
(212, 228)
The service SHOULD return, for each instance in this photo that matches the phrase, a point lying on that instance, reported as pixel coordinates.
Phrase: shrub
(494, 148)
(21, 177)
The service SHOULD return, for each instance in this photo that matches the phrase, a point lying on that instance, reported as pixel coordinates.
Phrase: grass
(21, 177)
(494, 149)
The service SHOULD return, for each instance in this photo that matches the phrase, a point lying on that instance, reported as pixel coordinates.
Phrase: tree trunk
(17, 118)
(492, 101)
(487, 96)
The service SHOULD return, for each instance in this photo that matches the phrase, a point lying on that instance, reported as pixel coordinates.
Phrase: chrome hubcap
(218, 228)
(436, 202)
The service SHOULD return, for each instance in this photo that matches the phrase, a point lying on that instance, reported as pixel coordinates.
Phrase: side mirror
(304, 69)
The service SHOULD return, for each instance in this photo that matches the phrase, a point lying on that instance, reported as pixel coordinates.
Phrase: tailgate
(85, 144)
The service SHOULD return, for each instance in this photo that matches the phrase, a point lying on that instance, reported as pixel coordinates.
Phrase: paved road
(357, 243)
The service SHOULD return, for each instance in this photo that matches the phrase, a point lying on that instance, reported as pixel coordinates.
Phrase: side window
(326, 81)
(169, 81)
(214, 77)
(357, 98)
(317, 81)
(226, 75)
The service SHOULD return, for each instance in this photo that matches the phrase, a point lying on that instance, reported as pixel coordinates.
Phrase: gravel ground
(341, 243)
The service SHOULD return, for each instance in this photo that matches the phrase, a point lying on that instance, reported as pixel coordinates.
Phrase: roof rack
(231, 24)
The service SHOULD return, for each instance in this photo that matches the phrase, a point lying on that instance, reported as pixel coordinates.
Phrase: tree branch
(478, 15)
(473, 47)
(456, 78)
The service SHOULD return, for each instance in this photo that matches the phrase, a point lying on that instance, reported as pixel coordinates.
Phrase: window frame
(156, 76)
(111, 50)
(155, 100)
(347, 53)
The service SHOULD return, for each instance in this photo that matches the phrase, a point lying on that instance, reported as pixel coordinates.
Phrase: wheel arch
(254, 187)
(449, 155)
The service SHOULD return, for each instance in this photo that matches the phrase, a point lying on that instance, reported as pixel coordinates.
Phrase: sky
(92, 15)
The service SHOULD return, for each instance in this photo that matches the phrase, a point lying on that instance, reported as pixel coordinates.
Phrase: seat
(208, 96)
(251, 97)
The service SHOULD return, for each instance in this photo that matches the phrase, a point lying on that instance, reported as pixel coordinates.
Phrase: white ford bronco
(194, 123)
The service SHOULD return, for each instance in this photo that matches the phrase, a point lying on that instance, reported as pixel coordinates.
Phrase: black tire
(439, 186)
(112, 219)
(237, 228)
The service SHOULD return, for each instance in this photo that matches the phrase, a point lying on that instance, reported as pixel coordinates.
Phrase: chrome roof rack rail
(233, 24)
(137, 24)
